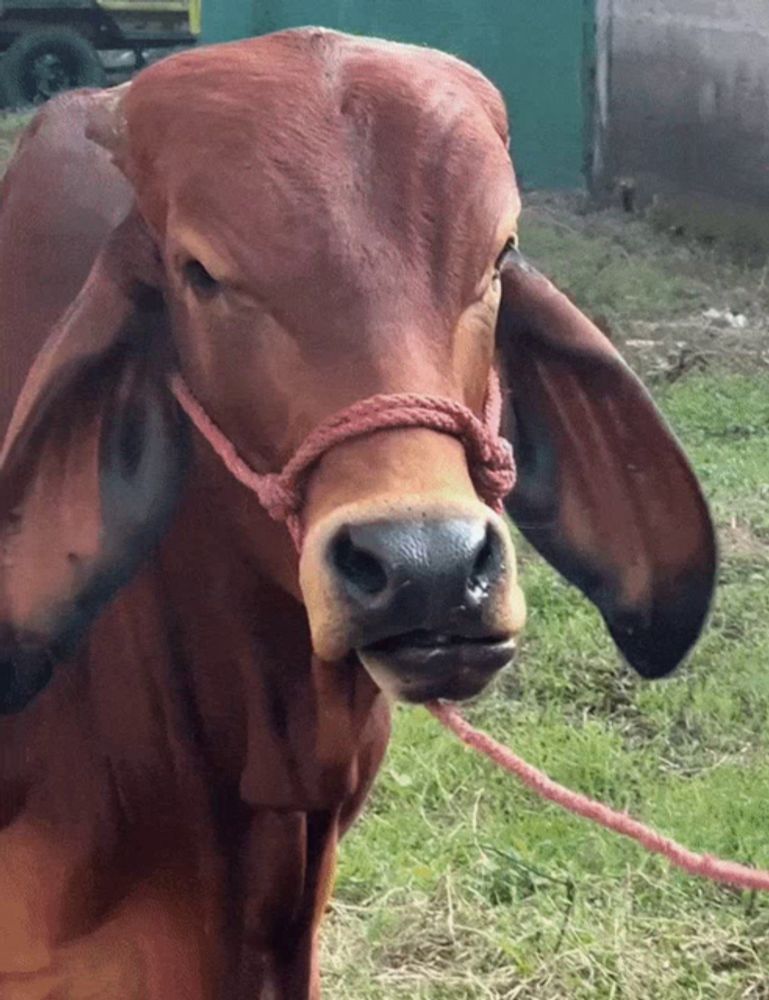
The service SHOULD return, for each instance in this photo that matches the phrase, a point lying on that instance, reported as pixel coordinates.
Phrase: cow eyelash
(511, 244)
(201, 281)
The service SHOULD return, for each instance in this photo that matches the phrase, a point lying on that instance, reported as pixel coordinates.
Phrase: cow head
(319, 219)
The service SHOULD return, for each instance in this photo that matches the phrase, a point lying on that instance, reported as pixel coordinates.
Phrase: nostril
(485, 557)
(487, 564)
(358, 567)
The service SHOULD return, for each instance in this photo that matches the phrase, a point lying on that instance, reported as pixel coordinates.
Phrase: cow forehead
(321, 146)
(302, 80)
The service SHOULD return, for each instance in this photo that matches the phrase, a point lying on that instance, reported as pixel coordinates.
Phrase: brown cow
(294, 222)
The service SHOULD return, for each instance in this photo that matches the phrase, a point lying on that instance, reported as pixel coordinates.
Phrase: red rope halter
(489, 456)
(490, 460)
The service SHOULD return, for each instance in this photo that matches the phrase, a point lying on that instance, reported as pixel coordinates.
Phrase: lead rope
(491, 465)
(705, 865)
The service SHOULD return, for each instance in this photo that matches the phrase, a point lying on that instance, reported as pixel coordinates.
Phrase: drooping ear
(604, 491)
(90, 468)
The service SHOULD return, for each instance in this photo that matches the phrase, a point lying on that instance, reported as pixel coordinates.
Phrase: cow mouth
(423, 665)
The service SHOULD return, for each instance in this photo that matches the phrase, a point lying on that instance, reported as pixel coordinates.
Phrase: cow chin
(422, 590)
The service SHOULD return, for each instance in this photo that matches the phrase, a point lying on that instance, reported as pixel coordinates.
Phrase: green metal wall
(536, 51)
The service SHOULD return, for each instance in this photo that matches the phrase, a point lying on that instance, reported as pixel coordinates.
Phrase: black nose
(436, 575)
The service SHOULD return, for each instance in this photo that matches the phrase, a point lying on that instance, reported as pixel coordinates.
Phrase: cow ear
(604, 491)
(90, 468)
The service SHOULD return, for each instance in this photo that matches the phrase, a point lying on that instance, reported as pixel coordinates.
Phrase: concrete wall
(682, 98)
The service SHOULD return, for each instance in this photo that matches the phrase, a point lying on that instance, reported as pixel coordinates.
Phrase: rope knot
(495, 474)
(280, 499)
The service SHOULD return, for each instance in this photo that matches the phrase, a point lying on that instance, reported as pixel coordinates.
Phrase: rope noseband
(489, 456)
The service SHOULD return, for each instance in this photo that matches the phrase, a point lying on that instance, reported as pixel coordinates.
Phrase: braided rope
(489, 456)
(705, 865)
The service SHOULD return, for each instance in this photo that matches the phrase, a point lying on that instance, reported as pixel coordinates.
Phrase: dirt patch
(739, 540)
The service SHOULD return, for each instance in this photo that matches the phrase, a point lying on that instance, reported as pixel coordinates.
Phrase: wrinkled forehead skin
(318, 160)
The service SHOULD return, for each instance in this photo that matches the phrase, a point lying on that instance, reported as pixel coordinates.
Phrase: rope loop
(489, 456)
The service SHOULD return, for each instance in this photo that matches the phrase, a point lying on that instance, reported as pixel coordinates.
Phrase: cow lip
(432, 640)
(421, 655)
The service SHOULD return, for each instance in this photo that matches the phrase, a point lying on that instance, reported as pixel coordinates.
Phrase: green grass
(458, 883)
(10, 126)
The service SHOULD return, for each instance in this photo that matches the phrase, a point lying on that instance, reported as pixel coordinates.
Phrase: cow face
(336, 218)
(346, 241)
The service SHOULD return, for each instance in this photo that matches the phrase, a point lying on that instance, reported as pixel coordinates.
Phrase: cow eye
(510, 246)
(201, 281)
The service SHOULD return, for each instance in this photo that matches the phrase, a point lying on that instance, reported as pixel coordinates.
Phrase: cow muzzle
(429, 603)
(423, 589)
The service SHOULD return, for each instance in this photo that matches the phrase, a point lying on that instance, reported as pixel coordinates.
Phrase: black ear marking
(604, 490)
(23, 675)
(144, 451)
(136, 474)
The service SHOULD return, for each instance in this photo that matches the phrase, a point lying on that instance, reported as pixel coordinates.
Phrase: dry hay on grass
(671, 305)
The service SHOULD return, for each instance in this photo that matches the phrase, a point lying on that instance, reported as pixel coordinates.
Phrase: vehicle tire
(44, 62)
